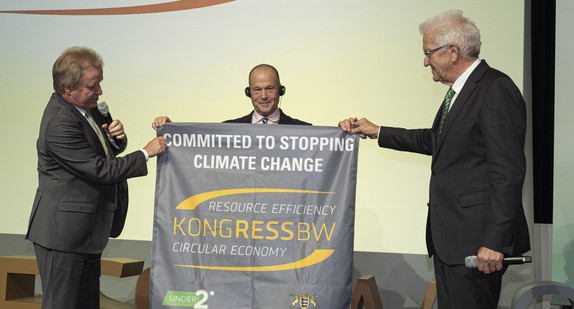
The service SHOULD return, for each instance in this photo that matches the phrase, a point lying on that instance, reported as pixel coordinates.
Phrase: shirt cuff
(145, 154)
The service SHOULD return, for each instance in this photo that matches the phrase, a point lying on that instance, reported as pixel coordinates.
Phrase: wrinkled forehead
(92, 74)
(429, 40)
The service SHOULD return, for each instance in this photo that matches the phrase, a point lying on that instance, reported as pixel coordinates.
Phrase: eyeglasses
(432, 51)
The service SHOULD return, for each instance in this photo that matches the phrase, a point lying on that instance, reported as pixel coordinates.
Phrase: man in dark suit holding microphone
(82, 195)
(478, 164)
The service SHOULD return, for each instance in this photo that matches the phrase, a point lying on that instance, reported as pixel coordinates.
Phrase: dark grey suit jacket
(283, 119)
(478, 169)
(75, 205)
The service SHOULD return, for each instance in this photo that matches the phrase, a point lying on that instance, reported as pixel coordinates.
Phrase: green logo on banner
(196, 300)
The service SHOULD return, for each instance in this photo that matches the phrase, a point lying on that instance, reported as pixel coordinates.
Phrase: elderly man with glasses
(478, 164)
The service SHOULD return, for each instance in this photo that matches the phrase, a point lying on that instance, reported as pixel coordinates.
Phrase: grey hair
(452, 27)
(67, 70)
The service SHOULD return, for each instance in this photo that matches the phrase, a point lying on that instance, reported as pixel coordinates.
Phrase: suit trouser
(461, 287)
(69, 280)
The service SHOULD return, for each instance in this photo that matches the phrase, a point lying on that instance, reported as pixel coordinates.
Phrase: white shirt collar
(461, 80)
(82, 111)
(272, 119)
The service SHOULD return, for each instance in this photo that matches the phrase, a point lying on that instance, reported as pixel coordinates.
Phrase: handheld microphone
(103, 108)
(471, 261)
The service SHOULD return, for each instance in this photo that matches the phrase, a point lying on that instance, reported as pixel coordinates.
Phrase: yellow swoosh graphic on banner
(193, 201)
(317, 256)
(141, 9)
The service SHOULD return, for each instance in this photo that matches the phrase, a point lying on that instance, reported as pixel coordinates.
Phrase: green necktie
(445, 107)
(98, 132)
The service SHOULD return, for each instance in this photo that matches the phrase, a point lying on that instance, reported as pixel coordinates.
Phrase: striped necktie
(445, 107)
(264, 120)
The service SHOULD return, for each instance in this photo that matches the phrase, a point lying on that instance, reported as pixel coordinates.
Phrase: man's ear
(67, 90)
(454, 52)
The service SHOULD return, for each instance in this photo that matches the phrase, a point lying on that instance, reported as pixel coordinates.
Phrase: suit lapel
(99, 120)
(91, 135)
(459, 104)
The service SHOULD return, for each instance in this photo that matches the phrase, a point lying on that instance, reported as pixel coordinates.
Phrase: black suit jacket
(283, 119)
(477, 170)
(75, 205)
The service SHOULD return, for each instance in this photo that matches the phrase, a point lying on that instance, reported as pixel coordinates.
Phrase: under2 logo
(195, 300)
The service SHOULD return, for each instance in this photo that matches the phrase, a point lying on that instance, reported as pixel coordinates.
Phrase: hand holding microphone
(472, 262)
(112, 130)
(489, 261)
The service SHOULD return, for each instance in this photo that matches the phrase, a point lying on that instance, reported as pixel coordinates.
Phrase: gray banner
(251, 216)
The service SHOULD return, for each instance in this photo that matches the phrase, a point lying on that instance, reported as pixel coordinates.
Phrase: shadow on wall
(402, 279)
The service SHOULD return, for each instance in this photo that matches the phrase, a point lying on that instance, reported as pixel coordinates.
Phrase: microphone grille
(470, 262)
(103, 108)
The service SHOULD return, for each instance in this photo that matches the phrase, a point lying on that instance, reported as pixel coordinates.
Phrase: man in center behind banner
(265, 91)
